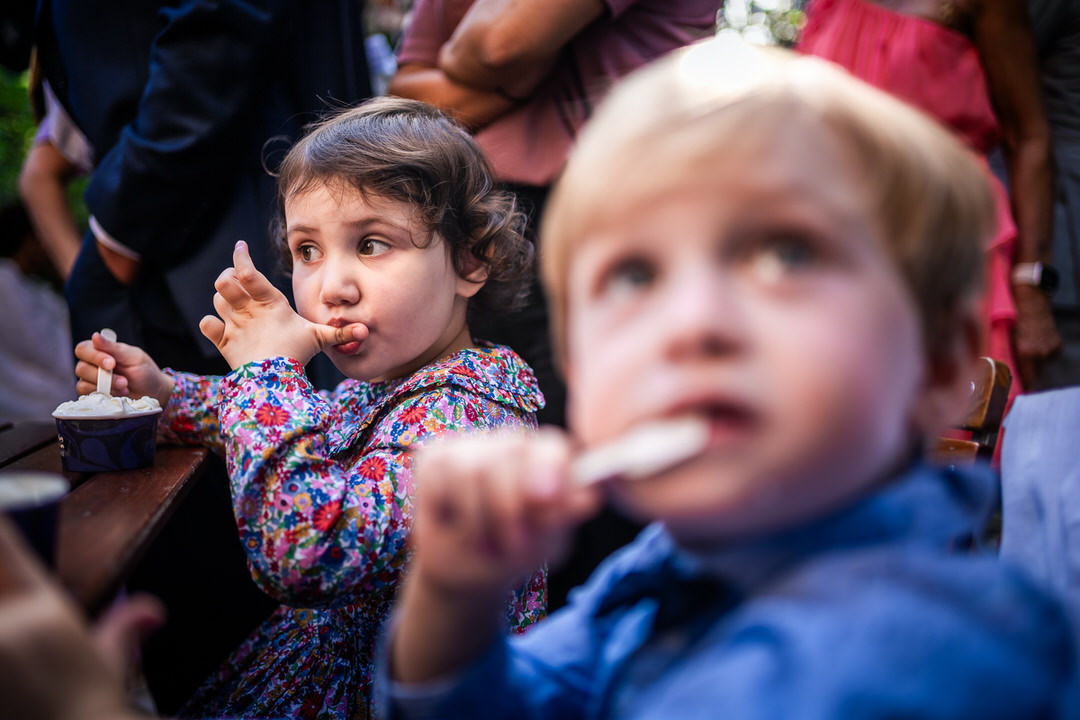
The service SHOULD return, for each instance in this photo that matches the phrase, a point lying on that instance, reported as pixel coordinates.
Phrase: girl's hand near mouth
(257, 322)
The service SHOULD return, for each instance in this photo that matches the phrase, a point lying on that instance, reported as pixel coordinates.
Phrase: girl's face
(356, 260)
(757, 294)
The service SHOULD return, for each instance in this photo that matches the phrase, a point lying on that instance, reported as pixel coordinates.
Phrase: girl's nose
(703, 314)
(340, 284)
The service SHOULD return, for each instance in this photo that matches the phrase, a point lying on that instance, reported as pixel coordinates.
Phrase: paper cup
(32, 500)
(108, 443)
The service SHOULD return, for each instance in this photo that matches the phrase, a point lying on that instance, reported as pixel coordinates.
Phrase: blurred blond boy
(764, 244)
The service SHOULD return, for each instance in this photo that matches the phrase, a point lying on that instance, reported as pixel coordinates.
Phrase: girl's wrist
(165, 391)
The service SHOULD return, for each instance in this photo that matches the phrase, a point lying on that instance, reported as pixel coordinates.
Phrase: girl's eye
(370, 247)
(628, 276)
(307, 253)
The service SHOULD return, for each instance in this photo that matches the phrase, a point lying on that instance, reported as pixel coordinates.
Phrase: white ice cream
(98, 405)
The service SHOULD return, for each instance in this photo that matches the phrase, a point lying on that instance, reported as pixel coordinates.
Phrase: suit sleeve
(170, 171)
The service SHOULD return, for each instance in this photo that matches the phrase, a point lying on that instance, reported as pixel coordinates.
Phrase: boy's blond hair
(666, 121)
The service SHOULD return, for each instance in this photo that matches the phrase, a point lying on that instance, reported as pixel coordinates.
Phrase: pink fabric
(529, 145)
(937, 70)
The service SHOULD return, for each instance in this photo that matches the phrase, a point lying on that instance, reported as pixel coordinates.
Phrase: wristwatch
(1036, 274)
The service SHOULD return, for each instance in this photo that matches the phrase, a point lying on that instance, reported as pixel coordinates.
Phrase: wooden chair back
(990, 393)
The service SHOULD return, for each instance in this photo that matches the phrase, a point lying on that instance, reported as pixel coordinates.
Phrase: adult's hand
(472, 107)
(123, 268)
(50, 666)
(511, 45)
(1036, 337)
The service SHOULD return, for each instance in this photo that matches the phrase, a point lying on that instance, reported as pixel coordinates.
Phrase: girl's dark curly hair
(409, 151)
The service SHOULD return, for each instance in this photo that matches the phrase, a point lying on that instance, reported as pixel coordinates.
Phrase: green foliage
(16, 130)
(763, 22)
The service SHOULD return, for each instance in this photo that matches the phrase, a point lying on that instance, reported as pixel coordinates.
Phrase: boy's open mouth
(729, 422)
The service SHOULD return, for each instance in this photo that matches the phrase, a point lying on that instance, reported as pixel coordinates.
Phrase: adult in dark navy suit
(179, 101)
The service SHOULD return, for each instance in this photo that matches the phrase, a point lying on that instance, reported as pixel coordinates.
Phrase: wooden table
(108, 519)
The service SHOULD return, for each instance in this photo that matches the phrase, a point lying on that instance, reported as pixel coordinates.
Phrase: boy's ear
(473, 276)
(946, 390)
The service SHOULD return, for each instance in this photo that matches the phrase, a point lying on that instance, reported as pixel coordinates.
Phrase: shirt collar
(925, 505)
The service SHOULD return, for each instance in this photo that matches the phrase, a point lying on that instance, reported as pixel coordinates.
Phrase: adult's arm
(419, 78)
(1007, 50)
(511, 45)
(175, 160)
(42, 186)
(472, 107)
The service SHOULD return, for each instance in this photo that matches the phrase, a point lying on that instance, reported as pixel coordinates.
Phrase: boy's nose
(702, 315)
(340, 284)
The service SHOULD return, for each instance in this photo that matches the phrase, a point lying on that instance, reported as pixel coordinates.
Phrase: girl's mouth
(346, 348)
(350, 348)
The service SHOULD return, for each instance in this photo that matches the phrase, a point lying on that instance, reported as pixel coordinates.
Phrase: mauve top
(529, 144)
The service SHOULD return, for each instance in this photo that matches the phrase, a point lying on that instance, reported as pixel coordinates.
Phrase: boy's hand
(489, 511)
(134, 372)
(257, 322)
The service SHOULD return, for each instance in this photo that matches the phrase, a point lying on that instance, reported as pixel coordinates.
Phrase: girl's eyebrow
(362, 223)
(298, 228)
(370, 221)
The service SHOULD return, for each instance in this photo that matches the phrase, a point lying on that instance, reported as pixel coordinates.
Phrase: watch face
(1049, 279)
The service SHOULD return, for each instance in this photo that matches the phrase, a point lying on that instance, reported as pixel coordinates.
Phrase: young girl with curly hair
(395, 233)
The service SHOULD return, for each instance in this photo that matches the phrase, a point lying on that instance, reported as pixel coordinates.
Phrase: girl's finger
(254, 282)
(85, 349)
(119, 385)
(229, 288)
(86, 372)
(212, 327)
(112, 353)
(328, 336)
(89, 352)
(223, 307)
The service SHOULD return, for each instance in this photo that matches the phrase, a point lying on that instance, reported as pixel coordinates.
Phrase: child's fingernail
(239, 244)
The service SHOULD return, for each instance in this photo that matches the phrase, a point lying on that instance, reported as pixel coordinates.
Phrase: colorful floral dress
(323, 499)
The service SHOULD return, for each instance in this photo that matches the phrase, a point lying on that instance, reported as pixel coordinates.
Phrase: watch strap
(1027, 273)
(1036, 274)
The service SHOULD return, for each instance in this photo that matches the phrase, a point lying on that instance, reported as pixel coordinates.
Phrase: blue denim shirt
(877, 611)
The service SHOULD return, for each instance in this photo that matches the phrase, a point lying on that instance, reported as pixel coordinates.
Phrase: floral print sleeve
(190, 416)
(324, 520)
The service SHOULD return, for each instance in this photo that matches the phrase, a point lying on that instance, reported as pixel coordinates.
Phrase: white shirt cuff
(110, 242)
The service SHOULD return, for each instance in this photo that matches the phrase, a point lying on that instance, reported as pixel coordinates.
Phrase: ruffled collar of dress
(494, 371)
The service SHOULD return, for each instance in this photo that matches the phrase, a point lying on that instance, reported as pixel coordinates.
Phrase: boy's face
(355, 259)
(756, 294)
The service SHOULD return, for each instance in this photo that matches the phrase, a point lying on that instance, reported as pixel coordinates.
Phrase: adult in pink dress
(971, 64)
